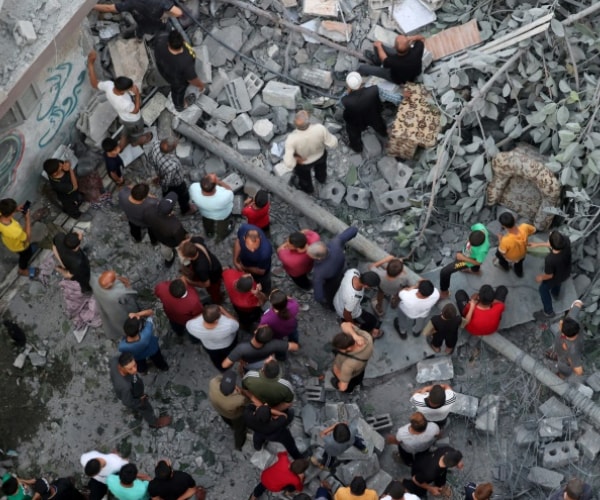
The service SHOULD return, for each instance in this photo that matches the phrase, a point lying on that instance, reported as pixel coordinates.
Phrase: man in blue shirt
(140, 341)
(252, 253)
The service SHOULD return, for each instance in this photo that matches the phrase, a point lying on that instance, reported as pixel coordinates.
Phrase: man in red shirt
(295, 260)
(256, 210)
(246, 297)
(180, 302)
(282, 476)
(489, 306)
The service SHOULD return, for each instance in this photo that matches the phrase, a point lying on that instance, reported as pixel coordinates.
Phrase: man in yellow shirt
(356, 491)
(14, 237)
(512, 246)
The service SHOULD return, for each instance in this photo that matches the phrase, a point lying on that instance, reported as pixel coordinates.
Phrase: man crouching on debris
(400, 64)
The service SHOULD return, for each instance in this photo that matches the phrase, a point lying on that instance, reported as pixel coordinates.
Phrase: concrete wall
(65, 89)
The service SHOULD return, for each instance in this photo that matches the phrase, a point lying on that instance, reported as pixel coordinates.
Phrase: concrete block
(250, 188)
(262, 459)
(559, 454)
(487, 414)
(525, 436)
(391, 225)
(264, 129)
(217, 128)
(395, 200)
(107, 30)
(281, 94)
(224, 113)
(203, 65)
(310, 418)
(377, 188)
(372, 438)
(379, 482)
(215, 165)
(545, 478)
(184, 151)
(238, 205)
(371, 145)
(129, 58)
(248, 147)
(589, 444)
(273, 67)
(315, 393)
(232, 35)
(321, 8)
(438, 368)
(235, 181)
(206, 104)
(238, 96)
(397, 174)
(259, 108)
(253, 84)
(379, 4)
(594, 381)
(365, 468)
(465, 405)
(153, 108)
(380, 422)
(358, 197)
(352, 409)
(587, 391)
(314, 76)
(388, 37)
(335, 411)
(553, 407)
(191, 114)
(280, 117)
(24, 33)
(332, 192)
(551, 427)
(242, 124)
(336, 31)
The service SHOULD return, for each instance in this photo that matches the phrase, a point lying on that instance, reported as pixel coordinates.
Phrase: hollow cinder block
(357, 197)
(395, 200)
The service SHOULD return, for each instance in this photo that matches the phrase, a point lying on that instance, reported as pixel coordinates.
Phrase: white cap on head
(354, 80)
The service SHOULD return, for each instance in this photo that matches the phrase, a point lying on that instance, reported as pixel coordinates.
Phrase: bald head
(302, 120)
(317, 250)
(107, 279)
(167, 145)
(402, 44)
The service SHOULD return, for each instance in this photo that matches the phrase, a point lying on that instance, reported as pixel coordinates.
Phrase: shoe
(365, 451)
(163, 421)
(543, 315)
(551, 354)
(518, 273)
(169, 263)
(497, 264)
(416, 334)
(403, 335)
(84, 217)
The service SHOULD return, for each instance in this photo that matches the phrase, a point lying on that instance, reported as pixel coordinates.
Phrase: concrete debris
(371, 145)
(225, 114)
(37, 359)
(242, 124)
(525, 436)
(232, 36)
(313, 76)
(262, 459)
(358, 197)
(336, 31)
(24, 33)
(253, 84)
(589, 444)
(365, 468)
(395, 173)
(238, 96)
(309, 418)
(264, 129)
(553, 407)
(378, 33)
(559, 454)
(153, 108)
(235, 182)
(217, 128)
(215, 165)
(438, 368)
(392, 225)
(465, 405)
(380, 422)
(487, 414)
(587, 391)
(545, 478)
(594, 381)
(281, 94)
(249, 147)
(395, 200)
(333, 192)
(321, 8)
(95, 120)
(203, 65)
(379, 482)
(551, 427)
(107, 30)
(129, 58)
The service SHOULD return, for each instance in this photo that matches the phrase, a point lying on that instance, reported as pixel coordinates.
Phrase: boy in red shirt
(246, 297)
(489, 306)
(256, 210)
(281, 476)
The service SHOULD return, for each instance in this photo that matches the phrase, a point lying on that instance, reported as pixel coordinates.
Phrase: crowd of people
(250, 392)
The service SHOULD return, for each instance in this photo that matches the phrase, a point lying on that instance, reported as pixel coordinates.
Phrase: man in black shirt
(429, 471)
(202, 268)
(176, 62)
(557, 268)
(64, 183)
(60, 489)
(362, 108)
(74, 264)
(400, 64)
(169, 484)
(167, 228)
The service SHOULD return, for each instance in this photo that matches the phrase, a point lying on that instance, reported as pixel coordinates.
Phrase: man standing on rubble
(305, 151)
(400, 64)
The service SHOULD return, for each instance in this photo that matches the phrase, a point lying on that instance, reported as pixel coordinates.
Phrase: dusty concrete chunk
(551, 427)
(225, 114)
(559, 454)
(248, 147)
(314, 76)
(234, 181)
(524, 436)
(262, 459)
(323, 8)
(129, 57)
(242, 124)
(397, 174)
(589, 444)
(594, 381)
(253, 84)
(281, 94)
(24, 33)
(264, 129)
(553, 407)
(487, 414)
(215, 165)
(332, 192)
(440, 368)
(336, 31)
(232, 36)
(206, 103)
(395, 200)
(371, 146)
(153, 108)
(380, 422)
(36, 359)
(388, 37)
(217, 128)
(238, 96)
(358, 197)
(379, 482)
(465, 405)
(545, 478)
(365, 468)
(334, 411)
(379, 4)
(203, 66)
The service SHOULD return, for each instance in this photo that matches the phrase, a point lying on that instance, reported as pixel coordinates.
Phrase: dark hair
(370, 279)
(177, 288)
(418, 421)
(71, 241)
(92, 467)
(7, 206)
(128, 473)
(506, 219)
(477, 238)
(261, 198)
(298, 239)
(109, 144)
(570, 327)
(271, 369)
(175, 40)
(342, 341)
(125, 358)
(51, 166)
(207, 184)
(557, 240)
(140, 191)
(452, 457)
(394, 268)
(341, 433)
(449, 311)
(396, 490)
(211, 313)
(302, 496)
(358, 485)
(189, 250)
(132, 326)
(279, 303)
(574, 488)
(484, 491)
(437, 396)
(299, 465)
(163, 470)
(123, 83)
(10, 486)
(263, 334)
(486, 295)
(426, 288)
(244, 284)
(263, 413)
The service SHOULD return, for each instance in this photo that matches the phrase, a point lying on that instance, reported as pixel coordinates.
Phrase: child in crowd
(14, 237)
(14, 488)
(337, 439)
(444, 327)
(512, 246)
(256, 210)
(114, 163)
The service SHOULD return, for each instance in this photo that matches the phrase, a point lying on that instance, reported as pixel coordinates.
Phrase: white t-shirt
(413, 307)
(433, 414)
(347, 297)
(416, 443)
(113, 464)
(219, 337)
(122, 104)
(407, 496)
(215, 207)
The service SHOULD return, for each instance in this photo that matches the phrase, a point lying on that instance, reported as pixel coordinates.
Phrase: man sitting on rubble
(568, 344)
(400, 64)
(489, 306)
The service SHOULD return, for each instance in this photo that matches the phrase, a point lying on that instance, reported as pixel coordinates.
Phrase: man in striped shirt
(435, 402)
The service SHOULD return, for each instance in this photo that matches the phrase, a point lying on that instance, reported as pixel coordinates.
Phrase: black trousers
(97, 489)
(462, 298)
(25, 257)
(284, 436)
(217, 356)
(178, 96)
(518, 266)
(264, 280)
(367, 321)
(355, 133)
(183, 196)
(158, 360)
(239, 430)
(450, 269)
(302, 281)
(136, 233)
(304, 173)
(354, 382)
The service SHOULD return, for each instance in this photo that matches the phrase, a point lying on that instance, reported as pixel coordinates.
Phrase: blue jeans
(546, 292)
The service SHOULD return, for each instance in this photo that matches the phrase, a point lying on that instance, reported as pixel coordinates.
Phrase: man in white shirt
(214, 199)
(124, 96)
(435, 402)
(414, 437)
(396, 491)
(414, 307)
(98, 466)
(305, 150)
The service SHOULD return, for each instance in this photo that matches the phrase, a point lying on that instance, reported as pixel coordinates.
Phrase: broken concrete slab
(321, 8)
(438, 368)
(234, 181)
(129, 58)
(153, 108)
(281, 94)
(365, 468)
(24, 33)
(232, 36)
(310, 418)
(242, 124)
(553, 407)
(525, 436)
(313, 76)
(397, 174)
(371, 145)
(487, 414)
(379, 482)
(551, 427)
(559, 454)
(206, 104)
(332, 192)
(217, 128)
(226, 114)
(411, 15)
(545, 478)
(336, 31)
(264, 129)
(380, 34)
(248, 147)
(358, 197)
(238, 96)
(203, 65)
(589, 444)
(465, 405)
(594, 381)
(215, 165)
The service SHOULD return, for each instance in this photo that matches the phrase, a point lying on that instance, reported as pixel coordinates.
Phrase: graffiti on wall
(12, 145)
(58, 103)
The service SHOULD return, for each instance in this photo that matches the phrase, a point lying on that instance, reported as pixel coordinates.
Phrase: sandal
(381, 333)
(33, 272)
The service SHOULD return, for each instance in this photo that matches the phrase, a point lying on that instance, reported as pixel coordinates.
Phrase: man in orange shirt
(512, 247)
